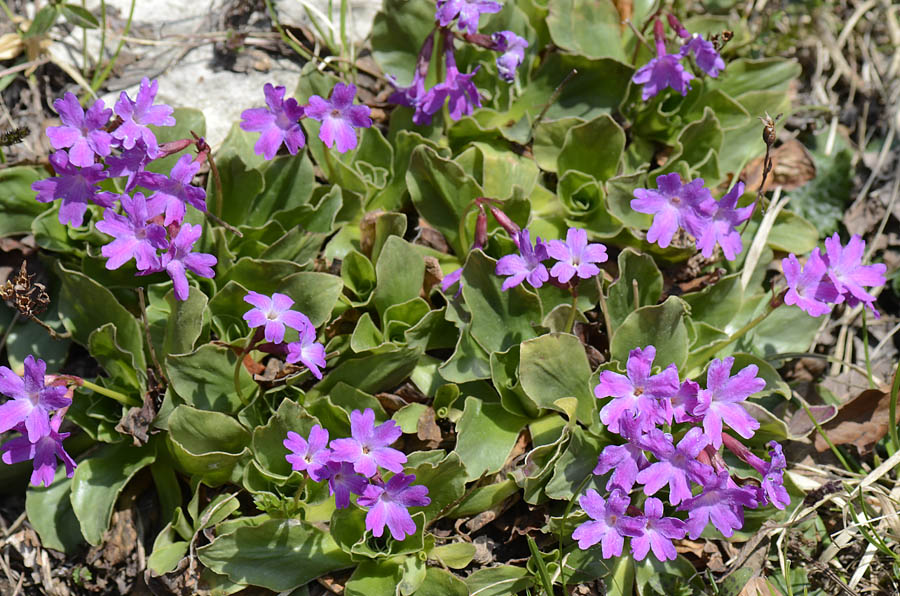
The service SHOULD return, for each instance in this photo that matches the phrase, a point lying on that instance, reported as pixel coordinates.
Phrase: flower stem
(329, 164)
(251, 342)
(119, 397)
(570, 322)
(562, 527)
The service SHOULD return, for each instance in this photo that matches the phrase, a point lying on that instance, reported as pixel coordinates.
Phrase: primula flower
(719, 503)
(677, 466)
(138, 114)
(610, 524)
(180, 258)
(639, 395)
(469, 11)
(44, 451)
(809, 288)
(457, 88)
(311, 456)
(525, 266)
(134, 236)
(575, 256)
(663, 71)
(175, 190)
(722, 224)
(308, 351)
(625, 461)
(342, 481)
(339, 117)
(81, 131)
(673, 205)
(513, 53)
(274, 313)
(706, 57)
(684, 402)
(75, 186)
(368, 446)
(278, 123)
(658, 533)
(719, 402)
(413, 95)
(848, 274)
(389, 503)
(773, 490)
(130, 162)
(450, 279)
(31, 400)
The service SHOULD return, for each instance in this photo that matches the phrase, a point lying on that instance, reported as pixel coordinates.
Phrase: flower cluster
(691, 207)
(149, 230)
(28, 411)
(666, 69)
(639, 404)
(835, 277)
(270, 315)
(351, 466)
(574, 258)
(279, 122)
(456, 88)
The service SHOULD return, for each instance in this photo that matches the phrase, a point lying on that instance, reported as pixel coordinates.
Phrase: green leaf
(602, 161)
(373, 373)
(79, 16)
(400, 271)
(256, 555)
(446, 483)
(554, 366)
(43, 20)
(501, 170)
(268, 440)
(639, 281)
(398, 31)
(483, 498)
(186, 120)
(661, 326)
(441, 583)
(204, 378)
(499, 319)
(414, 573)
(717, 304)
(314, 294)
(17, 199)
(103, 345)
(456, 555)
(502, 580)
(486, 434)
(576, 464)
(469, 361)
(375, 578)
(50, 513)
(358, 274)
(98, 481)
(792, 233)
(289, 181)
(589, 28)
(206, 444)
(549, 136)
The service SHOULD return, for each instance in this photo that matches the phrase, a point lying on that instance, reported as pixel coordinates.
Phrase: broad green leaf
(400, 271)
(590, 28)
(374, 578)
(502, 169)
(549, 136)
(314, 294)
(414, 573)
(373, 373)
(17, 199)
(98, 481)
(268, 440)
(576, 464)
(554, 366)
(397, 34)
(717, 304)
(483, 498)
(257, 555)
(787, 329)
(792, 233)
(206, 444)
(661, 326)
(486, 433)
(175, 325)
(103, 345)
(50, 513)
(502, 580)
(441, 583)
(746, 74)
(602, 161)
(79, 16)
(204, 378)
(639, 284)
(288, 183)
(469, 361)
(358, 274)
(446, 483)
(455, 555)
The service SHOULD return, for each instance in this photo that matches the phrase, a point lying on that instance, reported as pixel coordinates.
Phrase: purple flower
(575, 256)
(677, 466)
(75, 186)
(639, 395)
(278, 123)
(684, 402)
(468, 11)
(610, 524)
(134, 237)
(721, 226)
(137, 115)
(413, 95)
(719, 402)
(274, 313)
(450, 279)
(311, 455)
(720, 503)
(342, 481)
(773, 490)
(43, 451)
(308, 351)
(663, 71)
(674, 204)
(339, 117)
(848, 274)
(527, 266)
(130, 162)
(32, 401)
(658, 533)
(82, 132)
(457, 88)
(513, 53)
(388, 505)
(174, 190)
(625, 461)
(809, 288)
(368, 446)
(705, 55)
(179, 258)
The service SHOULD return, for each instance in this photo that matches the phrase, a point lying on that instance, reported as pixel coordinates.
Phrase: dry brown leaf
(758, 586)
(793, 167)
(862, 421)
(800, 425)
(427, 429)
